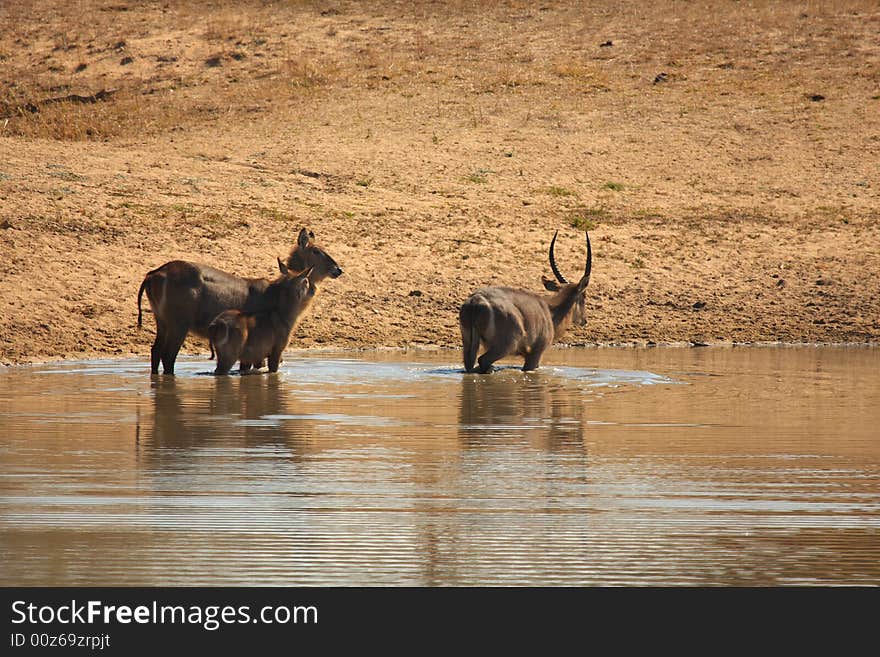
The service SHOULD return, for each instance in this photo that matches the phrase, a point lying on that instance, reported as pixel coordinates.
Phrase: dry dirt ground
(725, 156)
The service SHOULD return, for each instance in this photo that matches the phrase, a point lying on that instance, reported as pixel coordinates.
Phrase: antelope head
(569, 297)
(294, 281)
(308, 255)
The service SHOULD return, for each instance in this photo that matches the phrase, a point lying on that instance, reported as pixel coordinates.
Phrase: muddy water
(742, 466)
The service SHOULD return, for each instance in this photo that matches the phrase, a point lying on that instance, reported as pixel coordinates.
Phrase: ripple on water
(603, 467)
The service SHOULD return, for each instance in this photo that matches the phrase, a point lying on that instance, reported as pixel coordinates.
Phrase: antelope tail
(213, 337)
(472, 318)
(140, 295)
(147, 287)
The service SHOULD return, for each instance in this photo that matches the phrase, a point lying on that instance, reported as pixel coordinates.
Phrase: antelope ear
(303, 239)
(550, 285)
(282, 267)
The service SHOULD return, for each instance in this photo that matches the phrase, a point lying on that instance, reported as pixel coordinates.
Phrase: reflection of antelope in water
(186, 297)
(510, 321)
(183, 415)
(542, 410)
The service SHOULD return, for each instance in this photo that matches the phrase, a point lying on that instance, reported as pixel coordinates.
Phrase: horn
(589, 266)
(559, 277)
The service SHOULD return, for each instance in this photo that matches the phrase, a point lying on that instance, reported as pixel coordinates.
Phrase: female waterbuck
(252, 337)
(509, 321)
(186, 296)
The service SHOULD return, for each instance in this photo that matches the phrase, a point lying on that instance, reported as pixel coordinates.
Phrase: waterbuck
(509, 321)
(252, 337)
(186, 296)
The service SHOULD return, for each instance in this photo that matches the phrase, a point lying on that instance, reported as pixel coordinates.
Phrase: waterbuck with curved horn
(510, 321)
(186, 296)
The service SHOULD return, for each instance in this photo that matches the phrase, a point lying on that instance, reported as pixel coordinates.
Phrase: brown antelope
(509, 321)
(252, 337)
(185, 296)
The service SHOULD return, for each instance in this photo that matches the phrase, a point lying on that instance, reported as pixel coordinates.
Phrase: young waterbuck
(252, 337)
(186, 296)
(509, 321)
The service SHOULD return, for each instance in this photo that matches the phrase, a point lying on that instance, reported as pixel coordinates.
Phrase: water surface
(717, 466)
